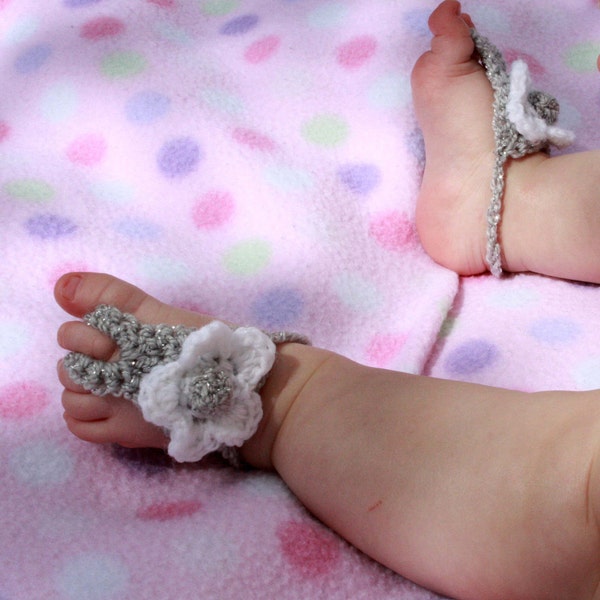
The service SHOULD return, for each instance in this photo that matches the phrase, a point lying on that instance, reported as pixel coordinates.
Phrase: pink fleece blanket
(257, 160)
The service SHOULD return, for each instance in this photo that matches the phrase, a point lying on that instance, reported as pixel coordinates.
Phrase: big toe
(452, 43)
(80, 293)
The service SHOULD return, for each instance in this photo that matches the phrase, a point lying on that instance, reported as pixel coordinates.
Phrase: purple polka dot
(240, 25)
(416, 146)
(471, 357)
(76, 3)
(278, 307)
(49, 226)
(179, 157)
(360, 178)
(555, 331)
(146, 107)
(32, 59)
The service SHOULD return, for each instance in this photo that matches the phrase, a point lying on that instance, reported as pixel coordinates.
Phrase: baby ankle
(289, 380)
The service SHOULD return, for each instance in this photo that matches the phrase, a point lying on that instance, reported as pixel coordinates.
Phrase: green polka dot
(447, 327)
(582, 57)
(33, 190)
(119, 65)
(217, 8)
(326, 130)
(248, 258)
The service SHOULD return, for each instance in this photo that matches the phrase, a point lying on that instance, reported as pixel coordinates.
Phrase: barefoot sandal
(524, 123)
(200, 385)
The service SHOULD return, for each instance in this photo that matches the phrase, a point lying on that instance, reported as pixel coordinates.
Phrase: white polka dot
(59, 102)
(21, 31)
(118, 192)
(163, 268)
(518, 298)
(41, 463)
(587, 374)
(289, 179)
(356, 292)
(390, 91)
(14, 336)
(92, 576)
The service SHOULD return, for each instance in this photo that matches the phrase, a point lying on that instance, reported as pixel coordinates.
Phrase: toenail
(70, 287)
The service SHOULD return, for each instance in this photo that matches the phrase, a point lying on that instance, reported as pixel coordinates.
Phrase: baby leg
(421, 474)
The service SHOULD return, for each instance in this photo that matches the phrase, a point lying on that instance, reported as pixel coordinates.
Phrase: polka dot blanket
(257, 160)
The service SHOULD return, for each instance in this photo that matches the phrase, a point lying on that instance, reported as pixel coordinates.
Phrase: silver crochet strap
(513, 138)
(200, 385)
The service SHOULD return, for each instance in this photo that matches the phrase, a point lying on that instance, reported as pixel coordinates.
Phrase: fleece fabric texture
(258, 160)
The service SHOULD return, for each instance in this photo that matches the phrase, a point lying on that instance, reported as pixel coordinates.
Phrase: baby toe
(85, 407)
(76, 336)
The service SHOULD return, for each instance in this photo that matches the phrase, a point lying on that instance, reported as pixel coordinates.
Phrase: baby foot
(454, 105)
(112, 419)
(453, 102)
(107, 419)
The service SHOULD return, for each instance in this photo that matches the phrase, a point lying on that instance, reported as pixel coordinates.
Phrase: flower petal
(253, 355)
(523, 116)
(211, 341)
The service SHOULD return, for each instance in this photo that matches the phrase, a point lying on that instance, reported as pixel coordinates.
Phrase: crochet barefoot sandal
(200, 385)
(524, 123)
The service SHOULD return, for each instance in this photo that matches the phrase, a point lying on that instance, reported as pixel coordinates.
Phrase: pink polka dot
(102, 27)
(4, 131)
(253, 139)
(534, 65)
(262, 49)
(166, 511)
(22, 399)
(356, 52)
(394, 231)
(382, 349)
(213, 209)
(87, 150)
(311, 550)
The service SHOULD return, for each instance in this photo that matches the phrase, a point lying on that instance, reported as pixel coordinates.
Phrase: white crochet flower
(524, 117)
(206, 399)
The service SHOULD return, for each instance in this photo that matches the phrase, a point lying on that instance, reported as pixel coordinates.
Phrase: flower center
(208, 393)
